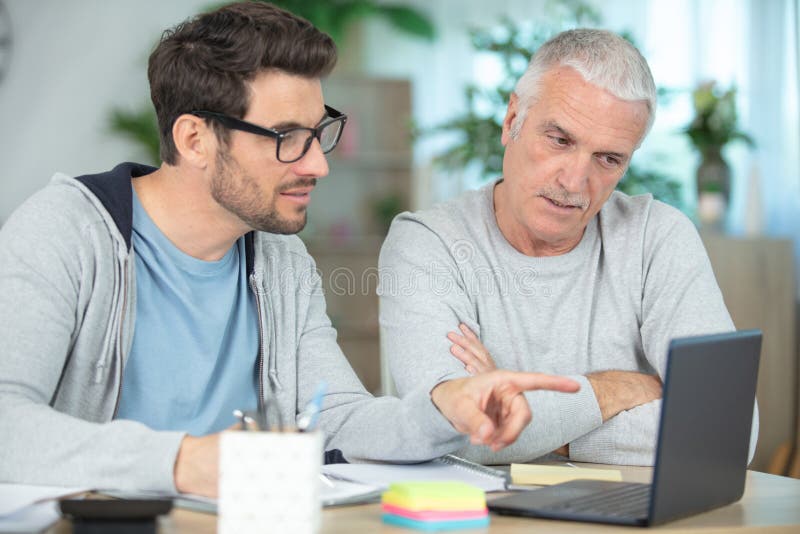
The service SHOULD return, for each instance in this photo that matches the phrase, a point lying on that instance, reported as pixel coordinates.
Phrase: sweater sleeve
(680, 297)
(422, 297)
(45, 270)
(362, 427)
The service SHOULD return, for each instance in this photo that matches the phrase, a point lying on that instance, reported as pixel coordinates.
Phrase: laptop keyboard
(630, 500)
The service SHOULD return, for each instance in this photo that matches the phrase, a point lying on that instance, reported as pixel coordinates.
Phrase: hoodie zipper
(261, 400)
(121, 326)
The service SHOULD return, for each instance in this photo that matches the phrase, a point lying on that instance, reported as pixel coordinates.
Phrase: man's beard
(241, 195)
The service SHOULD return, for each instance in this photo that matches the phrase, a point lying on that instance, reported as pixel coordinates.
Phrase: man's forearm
(629, 438)
(618, 391)
(196, 465)
(629, 404)
(120, 454)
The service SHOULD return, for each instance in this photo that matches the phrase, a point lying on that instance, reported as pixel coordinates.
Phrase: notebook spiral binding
(457, 461)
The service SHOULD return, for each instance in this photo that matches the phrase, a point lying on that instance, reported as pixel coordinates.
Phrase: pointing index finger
(525, 381)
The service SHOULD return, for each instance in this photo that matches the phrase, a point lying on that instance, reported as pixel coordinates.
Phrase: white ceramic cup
(269, 482)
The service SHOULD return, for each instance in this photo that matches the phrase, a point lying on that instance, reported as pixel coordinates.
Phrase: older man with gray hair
(550, 269)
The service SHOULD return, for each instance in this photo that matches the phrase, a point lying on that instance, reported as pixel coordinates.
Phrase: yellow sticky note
(435, 495)
(546, 475)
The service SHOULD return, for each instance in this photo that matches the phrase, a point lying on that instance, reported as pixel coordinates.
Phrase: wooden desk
(770, 504)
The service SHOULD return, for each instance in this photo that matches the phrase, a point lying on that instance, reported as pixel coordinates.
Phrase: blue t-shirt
(195, 346)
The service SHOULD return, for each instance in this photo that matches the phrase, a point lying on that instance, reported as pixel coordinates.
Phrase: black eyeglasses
(293, 143)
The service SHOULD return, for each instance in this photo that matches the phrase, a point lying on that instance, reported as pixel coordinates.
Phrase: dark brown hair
(205, 62)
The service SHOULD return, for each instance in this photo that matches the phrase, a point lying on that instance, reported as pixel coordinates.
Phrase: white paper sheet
(381, 475)
(14, 497)
(26, 508)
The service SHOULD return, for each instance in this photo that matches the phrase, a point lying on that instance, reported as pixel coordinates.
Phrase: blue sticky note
(434, 526)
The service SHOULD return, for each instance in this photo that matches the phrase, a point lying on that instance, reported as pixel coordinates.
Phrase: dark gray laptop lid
(706, 417)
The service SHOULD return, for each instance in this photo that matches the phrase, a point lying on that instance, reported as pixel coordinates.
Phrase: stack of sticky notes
(435, 505)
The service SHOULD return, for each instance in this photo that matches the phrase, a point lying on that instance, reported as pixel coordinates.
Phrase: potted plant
(714, 126)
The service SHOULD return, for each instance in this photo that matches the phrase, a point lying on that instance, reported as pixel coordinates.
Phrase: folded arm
(615, 391)
(433, 418)
(626, 399)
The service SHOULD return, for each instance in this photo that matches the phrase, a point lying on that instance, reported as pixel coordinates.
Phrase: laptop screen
(706, 416)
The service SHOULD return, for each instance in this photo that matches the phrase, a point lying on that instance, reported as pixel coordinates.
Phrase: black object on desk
(122, 516)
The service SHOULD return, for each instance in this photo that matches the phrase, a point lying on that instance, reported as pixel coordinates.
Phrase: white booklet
(448, 467)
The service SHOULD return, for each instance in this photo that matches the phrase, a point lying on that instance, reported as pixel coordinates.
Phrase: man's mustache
(302, 182)
(562, 196)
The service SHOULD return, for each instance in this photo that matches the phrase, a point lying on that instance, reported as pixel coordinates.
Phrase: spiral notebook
(448, 467)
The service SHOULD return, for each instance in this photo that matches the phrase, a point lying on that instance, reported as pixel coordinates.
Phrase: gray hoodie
(67, 316)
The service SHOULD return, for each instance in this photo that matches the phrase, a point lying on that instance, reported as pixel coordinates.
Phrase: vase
(713, 187)
(713, 173)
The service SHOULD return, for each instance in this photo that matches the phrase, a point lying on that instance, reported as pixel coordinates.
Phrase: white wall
(72, 62)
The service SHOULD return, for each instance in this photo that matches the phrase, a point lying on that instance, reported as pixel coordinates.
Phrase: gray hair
(602, 58)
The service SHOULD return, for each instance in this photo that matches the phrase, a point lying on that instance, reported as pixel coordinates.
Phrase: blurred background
(425, 85)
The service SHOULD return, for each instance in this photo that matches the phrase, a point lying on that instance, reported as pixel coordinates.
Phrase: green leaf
(638, 181)
(335, 17)
(139, 126)
(409, 20)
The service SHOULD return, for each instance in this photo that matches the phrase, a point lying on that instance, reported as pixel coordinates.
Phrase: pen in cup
(239, 414)
(245, 421)
(307, 419)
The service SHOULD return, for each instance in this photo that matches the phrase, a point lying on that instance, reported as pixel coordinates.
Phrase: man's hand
(469, 349)
(490, 407)
(197, 464)
(617, 391)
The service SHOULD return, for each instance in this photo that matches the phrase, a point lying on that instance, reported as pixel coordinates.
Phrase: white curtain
(773, 115)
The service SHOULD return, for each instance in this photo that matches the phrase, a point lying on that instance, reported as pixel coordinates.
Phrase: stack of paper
(445, 468)
(27, 508)
(433, 506)
(546, 475)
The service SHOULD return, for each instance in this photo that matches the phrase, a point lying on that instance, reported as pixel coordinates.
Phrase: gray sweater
(67, 315)
(639, 277)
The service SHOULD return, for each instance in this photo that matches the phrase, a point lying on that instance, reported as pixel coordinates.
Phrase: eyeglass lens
(295, 143)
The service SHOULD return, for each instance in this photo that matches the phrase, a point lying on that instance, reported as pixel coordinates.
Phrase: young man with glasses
(139, 307)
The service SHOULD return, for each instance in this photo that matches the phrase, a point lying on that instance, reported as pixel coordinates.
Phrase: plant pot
(711, 208)
(713, 188)
(714, 174)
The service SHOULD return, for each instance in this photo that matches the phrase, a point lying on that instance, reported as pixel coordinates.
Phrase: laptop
(703, 443)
